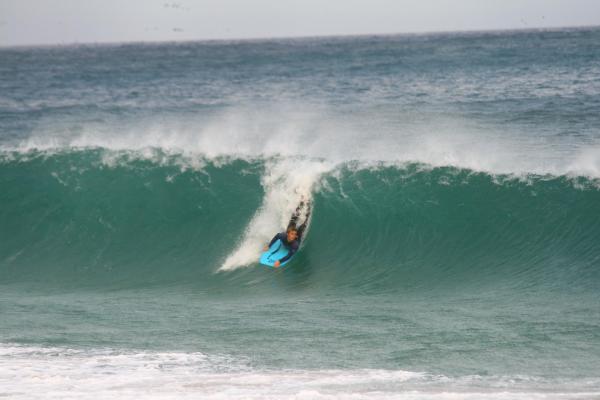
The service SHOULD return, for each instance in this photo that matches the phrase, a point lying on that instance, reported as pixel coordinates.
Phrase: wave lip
(321, 133)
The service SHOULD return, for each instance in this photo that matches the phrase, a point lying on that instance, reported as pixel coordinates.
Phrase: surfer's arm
(278, 236)
(302, 227)
(296, 214)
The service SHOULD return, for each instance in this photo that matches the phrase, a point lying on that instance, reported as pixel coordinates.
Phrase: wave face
(99, 218)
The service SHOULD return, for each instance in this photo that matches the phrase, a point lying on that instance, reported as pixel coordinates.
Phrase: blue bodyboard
(276, 252)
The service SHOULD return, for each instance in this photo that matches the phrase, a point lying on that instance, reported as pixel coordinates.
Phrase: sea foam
(28, 372)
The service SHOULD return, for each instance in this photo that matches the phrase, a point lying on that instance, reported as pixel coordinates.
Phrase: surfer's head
(292, 233)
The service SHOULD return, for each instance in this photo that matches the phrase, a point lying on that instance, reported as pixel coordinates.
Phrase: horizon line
(302, 37)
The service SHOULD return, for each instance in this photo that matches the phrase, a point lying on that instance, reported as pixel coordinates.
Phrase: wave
(94, 217)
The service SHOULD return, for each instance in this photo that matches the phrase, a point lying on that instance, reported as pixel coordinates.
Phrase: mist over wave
(323, 134)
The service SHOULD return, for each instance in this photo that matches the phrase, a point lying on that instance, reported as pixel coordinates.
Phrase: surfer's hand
(276, 264)
(265, 248)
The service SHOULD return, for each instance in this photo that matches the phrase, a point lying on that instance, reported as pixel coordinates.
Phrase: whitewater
(454, 244)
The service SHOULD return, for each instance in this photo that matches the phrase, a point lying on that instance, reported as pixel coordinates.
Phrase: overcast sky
(24, 22)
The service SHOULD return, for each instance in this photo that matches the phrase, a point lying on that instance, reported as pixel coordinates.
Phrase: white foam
(586, 162)
(286, 182)
(62, 373)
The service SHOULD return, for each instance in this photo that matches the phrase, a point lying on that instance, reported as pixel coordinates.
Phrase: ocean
(453, 250)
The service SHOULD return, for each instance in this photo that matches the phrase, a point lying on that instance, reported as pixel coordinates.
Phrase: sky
(30, 22)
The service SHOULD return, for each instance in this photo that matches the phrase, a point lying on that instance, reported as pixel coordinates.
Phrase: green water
(442, 270)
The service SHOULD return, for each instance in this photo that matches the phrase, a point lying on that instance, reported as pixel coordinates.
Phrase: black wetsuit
(295, 245)
(291, 246)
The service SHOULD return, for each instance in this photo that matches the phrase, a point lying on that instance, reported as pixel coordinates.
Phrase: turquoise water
(453, 249)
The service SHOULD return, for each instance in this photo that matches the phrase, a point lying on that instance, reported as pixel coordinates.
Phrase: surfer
(292, 236)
